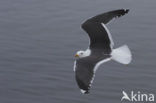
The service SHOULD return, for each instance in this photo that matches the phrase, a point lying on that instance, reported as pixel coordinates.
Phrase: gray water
(38, 40)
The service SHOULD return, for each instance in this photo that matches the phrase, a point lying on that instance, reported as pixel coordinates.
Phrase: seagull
(100, 49)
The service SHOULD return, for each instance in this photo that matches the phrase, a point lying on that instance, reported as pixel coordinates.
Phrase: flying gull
(100, 49)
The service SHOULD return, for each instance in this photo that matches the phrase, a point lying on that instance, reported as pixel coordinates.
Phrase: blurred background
(38, 40)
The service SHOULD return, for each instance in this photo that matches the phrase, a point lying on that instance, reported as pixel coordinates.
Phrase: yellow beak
(76, 55)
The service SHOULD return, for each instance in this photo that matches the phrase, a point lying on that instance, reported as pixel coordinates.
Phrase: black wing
(85, 69)
(106, 17)
(100, 38)
(84, 74)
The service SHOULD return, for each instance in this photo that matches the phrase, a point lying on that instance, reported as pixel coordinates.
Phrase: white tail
(122, 54)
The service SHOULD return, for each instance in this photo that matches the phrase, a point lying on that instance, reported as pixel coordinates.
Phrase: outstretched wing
(106, 17)
(84, 74)
(100, 37)
(85, 69)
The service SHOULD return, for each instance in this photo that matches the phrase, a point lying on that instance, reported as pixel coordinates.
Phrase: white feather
(82, 91)
(74, 66)
(122, 54)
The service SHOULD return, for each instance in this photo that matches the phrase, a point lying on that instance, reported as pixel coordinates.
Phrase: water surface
(39, 38)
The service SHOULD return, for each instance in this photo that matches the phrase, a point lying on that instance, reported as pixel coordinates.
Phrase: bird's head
(80, 54)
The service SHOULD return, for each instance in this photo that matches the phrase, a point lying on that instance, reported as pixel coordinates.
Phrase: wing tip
(126, 11)
(84, 91)
(122, 12)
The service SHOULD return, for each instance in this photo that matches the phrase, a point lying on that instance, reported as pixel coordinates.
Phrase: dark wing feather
(85, 70)
(106, 17)
(98, 34)
(84, 73)
(99, 38)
